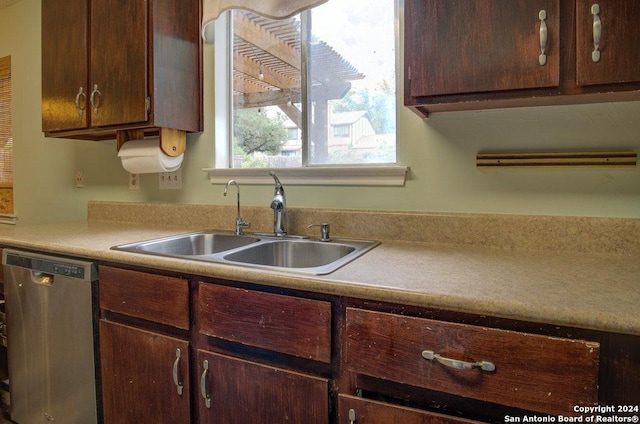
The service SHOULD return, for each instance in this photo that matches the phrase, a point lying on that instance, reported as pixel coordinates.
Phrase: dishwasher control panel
(54, 266)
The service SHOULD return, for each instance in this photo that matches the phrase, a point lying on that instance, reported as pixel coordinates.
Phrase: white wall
(441, 153)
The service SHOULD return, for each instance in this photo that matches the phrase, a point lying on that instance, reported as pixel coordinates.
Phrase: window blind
(6, 139)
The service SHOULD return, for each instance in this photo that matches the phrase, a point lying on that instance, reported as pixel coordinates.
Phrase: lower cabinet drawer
(529, 371)
(153, 297)
(352, 409)
(286, 324)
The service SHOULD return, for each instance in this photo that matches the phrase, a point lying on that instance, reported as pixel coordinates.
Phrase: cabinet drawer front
(539, 373)
(285, 324)
(156, 298)
(367, 411)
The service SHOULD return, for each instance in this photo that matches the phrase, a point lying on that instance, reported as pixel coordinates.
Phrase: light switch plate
(170, 180)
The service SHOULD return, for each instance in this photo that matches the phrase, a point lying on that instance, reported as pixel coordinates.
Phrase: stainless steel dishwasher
(50, 332)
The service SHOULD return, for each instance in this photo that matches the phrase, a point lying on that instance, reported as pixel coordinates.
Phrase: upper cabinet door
(119, 41)
(64, 65)
(607, 41)
(470, 46)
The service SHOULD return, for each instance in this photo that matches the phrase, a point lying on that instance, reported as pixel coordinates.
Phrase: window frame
(385, 174)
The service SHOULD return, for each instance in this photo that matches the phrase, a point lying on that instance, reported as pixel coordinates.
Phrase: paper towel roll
(145, 156)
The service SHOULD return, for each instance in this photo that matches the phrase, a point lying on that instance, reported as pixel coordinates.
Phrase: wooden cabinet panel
(534, 372)
(470, 46)
(367, 411)
(137, 376)
(157, 298)
(65, 64)
(619, 54)
(479, 54)
(138, 62)
(241, 392)
(119, 45)
(285, 324)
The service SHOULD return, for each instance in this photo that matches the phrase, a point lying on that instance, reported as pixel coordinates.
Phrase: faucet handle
(324, 230)
(241, 224)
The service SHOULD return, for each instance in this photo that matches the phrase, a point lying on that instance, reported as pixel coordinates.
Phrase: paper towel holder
(172, 142)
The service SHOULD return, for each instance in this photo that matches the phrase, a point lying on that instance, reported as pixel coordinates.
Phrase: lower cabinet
(233, 390)
(182, 351)
(144, 347)
(293, 333)
(352, 410)
(145, 376)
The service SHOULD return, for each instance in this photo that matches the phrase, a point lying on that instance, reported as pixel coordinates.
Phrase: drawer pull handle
(597, 32)
(176, 372)
(352, 416)
(81, 95)
(457, 364)
(95, 99)
(204, 389)
(542, 16)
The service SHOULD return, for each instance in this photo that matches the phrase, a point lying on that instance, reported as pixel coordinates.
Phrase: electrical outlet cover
(134, 182)
(79, 178)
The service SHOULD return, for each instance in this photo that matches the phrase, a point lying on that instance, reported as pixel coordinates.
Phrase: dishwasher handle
(43, 278)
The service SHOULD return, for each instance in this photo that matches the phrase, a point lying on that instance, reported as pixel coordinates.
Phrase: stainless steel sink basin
(194, 244)
(268, 252)
(292, 254)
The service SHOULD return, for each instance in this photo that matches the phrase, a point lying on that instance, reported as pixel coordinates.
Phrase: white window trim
(328, 175)
(357, 175)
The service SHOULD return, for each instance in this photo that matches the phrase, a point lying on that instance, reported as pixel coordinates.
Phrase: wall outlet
(79, 178)
(134, 182)
(170, 180)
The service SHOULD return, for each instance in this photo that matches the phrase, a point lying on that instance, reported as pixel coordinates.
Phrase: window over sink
(315, 90)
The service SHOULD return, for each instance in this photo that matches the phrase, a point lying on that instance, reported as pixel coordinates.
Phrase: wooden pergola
(267, 69)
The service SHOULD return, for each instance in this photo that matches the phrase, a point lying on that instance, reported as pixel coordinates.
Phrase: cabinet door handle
(95, 97)
(542, 59)
(204, 387)
(597, 32)
(81, 107)
(176, 372)
(457, 364)
(352, 416)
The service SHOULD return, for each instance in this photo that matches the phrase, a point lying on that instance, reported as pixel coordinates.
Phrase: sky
(363, 32)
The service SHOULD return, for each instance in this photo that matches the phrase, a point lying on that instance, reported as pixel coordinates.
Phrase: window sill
(381, 175)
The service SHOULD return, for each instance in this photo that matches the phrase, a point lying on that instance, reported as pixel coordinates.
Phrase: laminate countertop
(586, 290)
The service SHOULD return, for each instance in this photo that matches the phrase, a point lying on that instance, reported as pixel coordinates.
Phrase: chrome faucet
(279, 204)
(240, 223)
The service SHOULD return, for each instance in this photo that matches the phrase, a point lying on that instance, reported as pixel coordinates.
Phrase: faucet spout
(240, 223)
(279, 205)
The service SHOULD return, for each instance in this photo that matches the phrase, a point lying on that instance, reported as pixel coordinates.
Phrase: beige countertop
(598, 291)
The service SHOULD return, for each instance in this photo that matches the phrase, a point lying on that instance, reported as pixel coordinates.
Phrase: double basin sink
(261, 251)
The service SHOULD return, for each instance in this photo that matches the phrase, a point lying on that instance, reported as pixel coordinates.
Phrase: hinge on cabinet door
(409, 73)
(147, 104)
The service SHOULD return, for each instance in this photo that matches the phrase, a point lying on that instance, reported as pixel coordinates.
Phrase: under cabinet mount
(172, 142)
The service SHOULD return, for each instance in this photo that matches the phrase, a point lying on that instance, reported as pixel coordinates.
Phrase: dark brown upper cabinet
(120, 65)
(479, 54)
